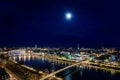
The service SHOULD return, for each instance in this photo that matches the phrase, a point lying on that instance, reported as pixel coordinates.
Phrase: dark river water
(74, 73)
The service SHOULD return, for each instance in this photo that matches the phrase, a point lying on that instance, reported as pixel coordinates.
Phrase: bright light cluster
(68, 15)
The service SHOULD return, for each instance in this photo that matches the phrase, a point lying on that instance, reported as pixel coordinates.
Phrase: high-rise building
(78, 46)
(35, 46)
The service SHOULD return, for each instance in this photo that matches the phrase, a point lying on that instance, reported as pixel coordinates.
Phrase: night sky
(94, 23)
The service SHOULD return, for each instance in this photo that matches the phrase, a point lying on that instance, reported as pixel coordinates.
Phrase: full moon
(68, 15)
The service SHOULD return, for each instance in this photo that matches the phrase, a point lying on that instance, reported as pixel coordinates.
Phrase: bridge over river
(60, 70)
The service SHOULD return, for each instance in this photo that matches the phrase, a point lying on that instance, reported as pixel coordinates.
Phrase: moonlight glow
(68, 15)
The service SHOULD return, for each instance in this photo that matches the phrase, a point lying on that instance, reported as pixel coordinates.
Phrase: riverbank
(83, 62)
(52, 59)
(42, 63)
(22, 73)
(41, 73)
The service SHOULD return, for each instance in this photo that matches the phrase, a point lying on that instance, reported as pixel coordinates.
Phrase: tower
(78, 46)
(35, 46)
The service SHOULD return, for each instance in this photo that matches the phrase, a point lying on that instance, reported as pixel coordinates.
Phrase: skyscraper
(35, 46)
(78, 46)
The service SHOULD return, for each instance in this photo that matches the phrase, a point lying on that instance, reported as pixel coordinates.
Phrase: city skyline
(59, 40)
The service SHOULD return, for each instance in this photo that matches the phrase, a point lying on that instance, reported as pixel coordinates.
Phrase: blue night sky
(94, 23)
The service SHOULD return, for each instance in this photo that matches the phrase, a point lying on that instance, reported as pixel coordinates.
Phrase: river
(74, 73)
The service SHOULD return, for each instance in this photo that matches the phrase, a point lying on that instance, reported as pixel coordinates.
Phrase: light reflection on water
(76, 73)
(68, 77)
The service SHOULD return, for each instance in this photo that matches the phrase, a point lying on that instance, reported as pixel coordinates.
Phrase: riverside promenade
(22, 72)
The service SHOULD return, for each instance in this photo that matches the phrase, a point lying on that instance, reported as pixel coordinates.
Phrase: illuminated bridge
(60, 70)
